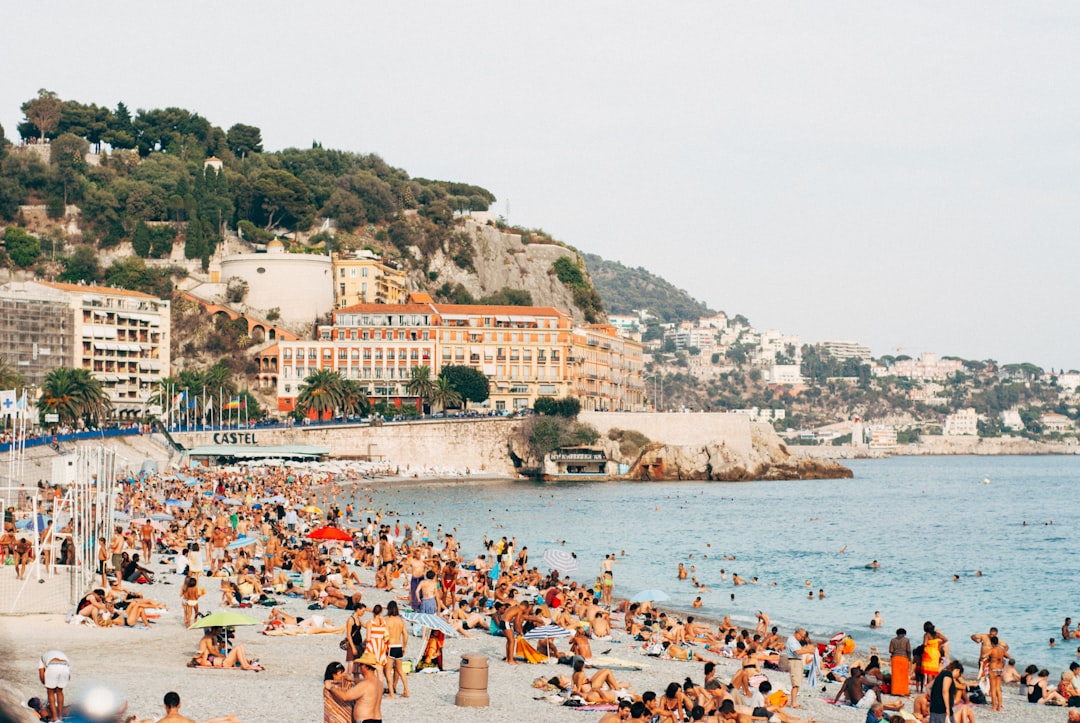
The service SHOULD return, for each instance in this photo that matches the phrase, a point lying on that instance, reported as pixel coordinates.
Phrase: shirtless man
(579, 645)
(172, 710)
(116, 548)
(387, 560)
(218, 541)
(983, 639)
(417, 569)
(366, 695)
(511, 625)
(146, 537)
(426, 592)
(398, 641)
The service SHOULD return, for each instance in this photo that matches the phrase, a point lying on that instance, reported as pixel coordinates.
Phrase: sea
(1006, 526)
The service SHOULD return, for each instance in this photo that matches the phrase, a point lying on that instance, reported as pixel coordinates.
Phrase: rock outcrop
(721, 447)
(502, 260)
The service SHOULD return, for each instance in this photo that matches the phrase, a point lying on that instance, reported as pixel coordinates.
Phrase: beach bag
(976, 695)
(344, 644)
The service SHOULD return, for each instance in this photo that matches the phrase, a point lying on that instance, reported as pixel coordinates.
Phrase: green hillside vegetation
(155, 175)
(624, 289)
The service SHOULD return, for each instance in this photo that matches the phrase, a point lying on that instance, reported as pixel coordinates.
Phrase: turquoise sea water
(923, 519)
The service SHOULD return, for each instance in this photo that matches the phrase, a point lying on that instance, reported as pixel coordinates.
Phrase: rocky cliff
(501, 260)
(769, 459)
(700, 446)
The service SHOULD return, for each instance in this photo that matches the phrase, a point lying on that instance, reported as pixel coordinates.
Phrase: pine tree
(140, 240)
(194, 239)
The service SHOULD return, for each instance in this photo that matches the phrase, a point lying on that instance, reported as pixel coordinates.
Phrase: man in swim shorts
(426, 592)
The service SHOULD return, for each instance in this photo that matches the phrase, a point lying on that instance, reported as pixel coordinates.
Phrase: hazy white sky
(903, 174)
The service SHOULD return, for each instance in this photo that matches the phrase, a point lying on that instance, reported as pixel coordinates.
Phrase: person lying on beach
(601, 687)
(210, 655)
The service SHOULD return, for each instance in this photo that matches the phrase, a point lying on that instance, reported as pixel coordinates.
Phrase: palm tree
(444, 394)
(353, 400)
(321, 392)
(421, 386)
(9, 378)
(73, 394)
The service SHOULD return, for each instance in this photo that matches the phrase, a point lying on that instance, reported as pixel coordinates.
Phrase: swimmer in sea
(697, 602)
(821, 594)
(874, 565)
(682, 572)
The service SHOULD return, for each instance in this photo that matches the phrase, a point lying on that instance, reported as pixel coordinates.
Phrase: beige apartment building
(361, 277)
(526, 353)
(120, 336)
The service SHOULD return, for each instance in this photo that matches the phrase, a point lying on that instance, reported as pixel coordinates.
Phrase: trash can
(473, 682)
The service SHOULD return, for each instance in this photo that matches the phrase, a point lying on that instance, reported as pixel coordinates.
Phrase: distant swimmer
(682, 572)
(697, 602)
(810, 595)
(873, 565)
(736, 579)
(821, 594)
(956, 578)
(843, 549)
(877, 620)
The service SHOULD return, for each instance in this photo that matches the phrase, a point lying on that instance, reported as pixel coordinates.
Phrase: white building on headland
(299, 286)
(785, 374)
(962, 423)
(846, 350)
(881, 436)
(1010, 419)
(927, 366)
(762, 415)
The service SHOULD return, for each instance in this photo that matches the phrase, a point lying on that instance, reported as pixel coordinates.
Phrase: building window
(288, 388)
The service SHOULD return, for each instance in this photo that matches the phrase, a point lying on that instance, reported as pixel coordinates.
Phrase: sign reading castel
(234, 438)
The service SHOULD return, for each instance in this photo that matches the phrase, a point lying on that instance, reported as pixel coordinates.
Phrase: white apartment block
(785, 374)
(762, 415)
(717, 321)
(846, 350)
(962, 423)
(881, 436)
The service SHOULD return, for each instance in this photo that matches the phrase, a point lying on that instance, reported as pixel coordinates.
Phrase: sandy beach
(142, 665)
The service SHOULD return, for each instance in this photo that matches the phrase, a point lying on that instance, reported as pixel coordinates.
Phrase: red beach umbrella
(329, 533)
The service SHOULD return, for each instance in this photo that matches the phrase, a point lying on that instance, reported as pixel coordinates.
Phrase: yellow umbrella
(312, 509)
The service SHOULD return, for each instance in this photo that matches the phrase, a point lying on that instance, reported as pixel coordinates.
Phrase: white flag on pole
(8, 402)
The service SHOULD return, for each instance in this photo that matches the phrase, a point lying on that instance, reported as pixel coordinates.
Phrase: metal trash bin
(473, 682)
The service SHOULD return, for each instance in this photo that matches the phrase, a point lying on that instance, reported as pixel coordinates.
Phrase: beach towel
(528, 653)
(605, 707)
(432, 657)
(606, 661)
(335, 711)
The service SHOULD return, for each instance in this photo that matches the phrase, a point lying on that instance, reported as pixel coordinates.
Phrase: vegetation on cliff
(624, 289)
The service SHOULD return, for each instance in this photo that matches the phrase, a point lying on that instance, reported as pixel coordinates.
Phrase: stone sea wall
(684, 446)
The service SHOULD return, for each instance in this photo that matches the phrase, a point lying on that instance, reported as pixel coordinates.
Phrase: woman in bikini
(591, 689)
(211, 656)
(190, 598)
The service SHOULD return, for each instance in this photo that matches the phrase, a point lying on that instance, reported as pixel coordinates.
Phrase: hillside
(139, 200)
(624, 289)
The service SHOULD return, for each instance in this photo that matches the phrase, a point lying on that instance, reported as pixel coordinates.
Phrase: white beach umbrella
(561, 560)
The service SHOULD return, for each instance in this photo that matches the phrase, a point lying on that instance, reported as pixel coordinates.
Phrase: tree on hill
(43, 112)
(22, 248)
(471, 384)
(244, 139)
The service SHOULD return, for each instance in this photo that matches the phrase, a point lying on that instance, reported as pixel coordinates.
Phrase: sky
(902, 174)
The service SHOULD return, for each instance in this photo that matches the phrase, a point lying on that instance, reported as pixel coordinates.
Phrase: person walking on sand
(796, 647)
(366, 695)
(398, 641)
(54, 670)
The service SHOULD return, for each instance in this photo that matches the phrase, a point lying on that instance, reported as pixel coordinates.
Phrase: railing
(48, 439)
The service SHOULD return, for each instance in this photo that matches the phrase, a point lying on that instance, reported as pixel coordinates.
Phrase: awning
(454, 317)
(285, 451)
(149, 364)
(100, 345)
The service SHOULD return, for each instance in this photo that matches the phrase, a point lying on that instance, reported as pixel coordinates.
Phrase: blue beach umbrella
(428, 620)
(650, 596)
